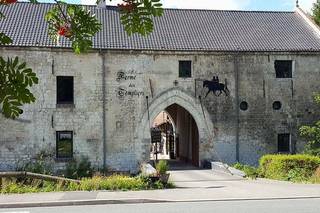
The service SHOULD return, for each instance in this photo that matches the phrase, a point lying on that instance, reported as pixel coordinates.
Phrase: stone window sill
(63, 160)
(66, 105)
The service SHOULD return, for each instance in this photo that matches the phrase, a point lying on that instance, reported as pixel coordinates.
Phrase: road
(244, 206)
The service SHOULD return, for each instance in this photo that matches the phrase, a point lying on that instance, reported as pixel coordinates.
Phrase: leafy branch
(136, 15)
(73, 22)
(15, 80)
(78, 25)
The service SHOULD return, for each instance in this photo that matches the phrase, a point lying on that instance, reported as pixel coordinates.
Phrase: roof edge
(308, 19)
(165, 8)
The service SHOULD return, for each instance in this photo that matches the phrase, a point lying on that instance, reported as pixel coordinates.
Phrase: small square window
(64, 89)
(64, 146)
(185, 69)
(284, 143)
(283, 68)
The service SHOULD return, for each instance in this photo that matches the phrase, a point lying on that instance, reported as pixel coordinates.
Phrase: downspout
(104, 131)
(236, 72)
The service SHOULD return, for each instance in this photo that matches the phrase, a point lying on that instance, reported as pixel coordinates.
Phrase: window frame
(63, 103)
(289, 143)
(58, 157)
(180, 68)
(280, 75)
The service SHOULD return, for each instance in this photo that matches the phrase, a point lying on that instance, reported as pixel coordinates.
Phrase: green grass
(250, 171)
(114, 183)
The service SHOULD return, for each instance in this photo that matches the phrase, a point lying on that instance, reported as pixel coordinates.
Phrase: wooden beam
(37, 176)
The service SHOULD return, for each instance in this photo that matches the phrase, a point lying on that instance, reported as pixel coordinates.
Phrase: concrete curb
(135, 201)
(76, 203)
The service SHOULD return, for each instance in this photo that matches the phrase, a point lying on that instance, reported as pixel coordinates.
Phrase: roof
(177, 30)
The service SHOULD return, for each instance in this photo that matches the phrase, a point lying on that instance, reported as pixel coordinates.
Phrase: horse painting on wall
(216, 87)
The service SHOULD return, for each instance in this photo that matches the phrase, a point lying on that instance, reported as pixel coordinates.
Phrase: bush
(162, 167)
(114, 182)
(78, 170)
(312, 132)
(17, 188)
(297, 168)
(41, 164)
(27, 186)
(250, 171)
(316, 176)
(120, 182)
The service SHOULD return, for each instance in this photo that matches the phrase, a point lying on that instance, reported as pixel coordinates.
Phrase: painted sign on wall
(128, 80)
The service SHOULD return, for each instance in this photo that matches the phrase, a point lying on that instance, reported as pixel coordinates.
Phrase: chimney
(102, 4)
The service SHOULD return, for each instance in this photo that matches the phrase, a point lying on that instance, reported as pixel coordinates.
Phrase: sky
(275, 5)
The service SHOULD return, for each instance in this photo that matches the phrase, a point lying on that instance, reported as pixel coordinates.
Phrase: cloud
(216, 4)
(205, 4)
(192, 4)
(306, 4)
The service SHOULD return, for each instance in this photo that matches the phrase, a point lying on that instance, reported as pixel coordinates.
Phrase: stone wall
(131, 76)
(35, 130)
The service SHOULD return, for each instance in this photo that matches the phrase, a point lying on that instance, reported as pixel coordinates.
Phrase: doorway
(179, 136)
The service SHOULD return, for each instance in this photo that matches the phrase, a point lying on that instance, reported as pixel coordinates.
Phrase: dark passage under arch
(180, 135)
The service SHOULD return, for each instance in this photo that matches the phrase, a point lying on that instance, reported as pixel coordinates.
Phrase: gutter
(104, 131)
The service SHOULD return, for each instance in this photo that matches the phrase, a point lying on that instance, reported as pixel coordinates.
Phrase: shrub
(250, 171)
(77, 170)
(42, 164)
(312, 132)
(316, 176)
(296, 168)
(17, 188)
(162, 167)
(48, 186)
(114, 182)
(91, 184)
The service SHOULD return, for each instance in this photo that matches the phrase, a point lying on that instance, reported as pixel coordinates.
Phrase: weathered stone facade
(130, 76)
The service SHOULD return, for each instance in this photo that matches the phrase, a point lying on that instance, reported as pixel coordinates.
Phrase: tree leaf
(15, 80)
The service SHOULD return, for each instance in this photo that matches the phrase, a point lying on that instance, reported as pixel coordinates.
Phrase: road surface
(244, 206)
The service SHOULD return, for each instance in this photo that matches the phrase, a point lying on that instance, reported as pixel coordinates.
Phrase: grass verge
(114, 182)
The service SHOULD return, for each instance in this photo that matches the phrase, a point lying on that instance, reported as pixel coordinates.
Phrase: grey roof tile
(198, 30)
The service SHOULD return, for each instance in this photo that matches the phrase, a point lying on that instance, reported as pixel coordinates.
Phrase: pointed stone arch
(160, 103)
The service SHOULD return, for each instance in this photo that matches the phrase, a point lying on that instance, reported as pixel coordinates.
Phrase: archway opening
(179, 136)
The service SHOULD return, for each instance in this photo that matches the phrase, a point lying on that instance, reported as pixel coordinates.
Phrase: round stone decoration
(244, 106)
(276, 105)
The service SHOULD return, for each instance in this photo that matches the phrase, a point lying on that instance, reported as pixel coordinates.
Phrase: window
(276, 105)
(64, 90)
(283, 68)
(185, 69)
(244, 106)
(284, 143)
(64, 146)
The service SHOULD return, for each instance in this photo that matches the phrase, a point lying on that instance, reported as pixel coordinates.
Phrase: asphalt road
(247, 206)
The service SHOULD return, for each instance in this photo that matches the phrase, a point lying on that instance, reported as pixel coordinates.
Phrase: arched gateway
(187, 102)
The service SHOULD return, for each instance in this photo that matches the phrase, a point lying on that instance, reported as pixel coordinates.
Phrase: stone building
(101, 104)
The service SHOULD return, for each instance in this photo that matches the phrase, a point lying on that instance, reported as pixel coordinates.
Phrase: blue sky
(270, 5)
(277, 5)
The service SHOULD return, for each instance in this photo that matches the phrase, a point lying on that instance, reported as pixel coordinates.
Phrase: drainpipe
(104, 131)
(236, 72)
